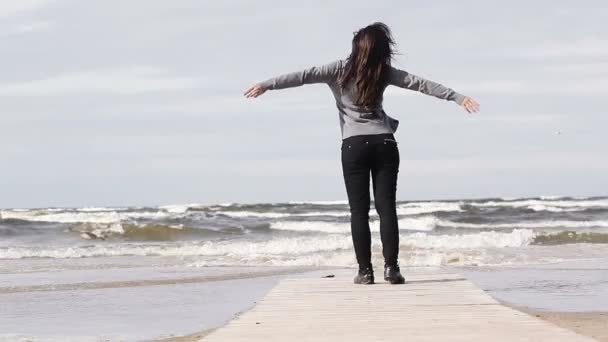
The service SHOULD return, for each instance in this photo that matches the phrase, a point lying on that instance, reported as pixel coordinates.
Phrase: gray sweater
(353, 119)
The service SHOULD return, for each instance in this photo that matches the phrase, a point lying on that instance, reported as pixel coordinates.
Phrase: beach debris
(328, 276)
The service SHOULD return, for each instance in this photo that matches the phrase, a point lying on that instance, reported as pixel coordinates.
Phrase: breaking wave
(273, 248)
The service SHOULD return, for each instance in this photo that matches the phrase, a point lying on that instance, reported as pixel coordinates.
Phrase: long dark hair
(369, 62)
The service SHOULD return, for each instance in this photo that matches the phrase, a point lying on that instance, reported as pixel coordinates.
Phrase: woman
(368, 144)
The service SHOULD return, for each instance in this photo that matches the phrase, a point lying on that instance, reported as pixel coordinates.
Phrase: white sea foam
(245, 213)
(415, 208)
(419, 258)
(429, 223)
(334, 213)
(543, 207)
(528, 225)
(425, 223)
(179, 208)
(550, 198)
(312, 226)
(274, 248)
(515, 238)
(419, 223)
(319, 202)
(98, 209)
(583, 204)
(76, 217)
(269, 214)
(240, 249)
(422, 223)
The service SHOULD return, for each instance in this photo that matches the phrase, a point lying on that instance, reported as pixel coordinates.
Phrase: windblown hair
(368, 63)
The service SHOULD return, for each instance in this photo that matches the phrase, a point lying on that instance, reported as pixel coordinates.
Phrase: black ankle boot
(365, 275)
(392, 274)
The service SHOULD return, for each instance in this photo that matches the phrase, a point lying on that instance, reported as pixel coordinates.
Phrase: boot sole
(364, 282)
(395, 281)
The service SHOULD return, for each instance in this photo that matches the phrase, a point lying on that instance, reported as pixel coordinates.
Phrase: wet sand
(118, 304)
(592, 324)
(188, 338)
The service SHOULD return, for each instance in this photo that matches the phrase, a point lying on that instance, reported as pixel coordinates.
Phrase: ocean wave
(273, 248)
(242, 249)
(102, 209)
(568, 237)
(407, 209)
(147, 232)
(430, 223)
(78, 216)
(550, 224)
(554, 209)
(181, 208)
(416, 208)
(425, 223)
(245, 213)
(312, 226)
(282, 221)
(539, 203)
(515, 238)
(335, 202)
(308, 209)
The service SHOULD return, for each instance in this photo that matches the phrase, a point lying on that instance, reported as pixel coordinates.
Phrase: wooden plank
(431, 306)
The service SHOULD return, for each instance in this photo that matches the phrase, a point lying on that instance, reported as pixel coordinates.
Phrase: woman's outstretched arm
(404, 79)
(317, 74)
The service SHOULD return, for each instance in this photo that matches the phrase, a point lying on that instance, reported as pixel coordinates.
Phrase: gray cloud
(143, 105)
(11, 8)
(120, 81)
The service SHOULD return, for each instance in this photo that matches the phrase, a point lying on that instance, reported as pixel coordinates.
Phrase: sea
(493, 231)
(106, 273)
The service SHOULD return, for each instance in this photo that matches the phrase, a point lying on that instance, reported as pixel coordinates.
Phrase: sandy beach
(592, 324)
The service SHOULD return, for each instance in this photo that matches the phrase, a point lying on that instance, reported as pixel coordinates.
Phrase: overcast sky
(140, 102)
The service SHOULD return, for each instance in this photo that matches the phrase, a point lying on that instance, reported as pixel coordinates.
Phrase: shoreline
(200, 335)
(197, 336)
(592, 324)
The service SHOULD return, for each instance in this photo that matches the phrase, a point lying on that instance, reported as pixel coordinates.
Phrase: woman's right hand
(470, 105)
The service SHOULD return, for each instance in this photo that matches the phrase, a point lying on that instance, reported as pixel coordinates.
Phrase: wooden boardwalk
(431, 306)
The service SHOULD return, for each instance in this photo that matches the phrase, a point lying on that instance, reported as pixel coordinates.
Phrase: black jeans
(378, 154)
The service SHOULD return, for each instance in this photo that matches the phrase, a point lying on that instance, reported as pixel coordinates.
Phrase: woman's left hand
(255, 90)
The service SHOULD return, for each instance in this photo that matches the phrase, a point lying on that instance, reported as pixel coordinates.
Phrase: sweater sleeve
(404, 79)
(326, 73)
